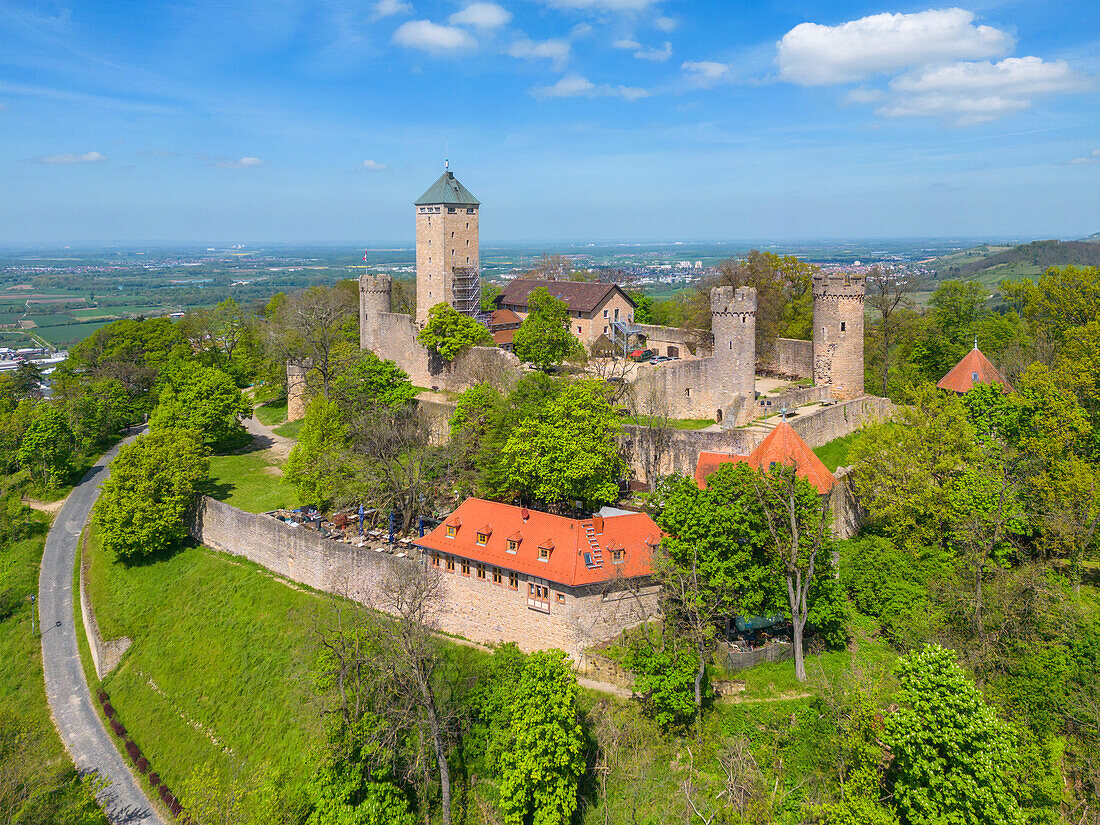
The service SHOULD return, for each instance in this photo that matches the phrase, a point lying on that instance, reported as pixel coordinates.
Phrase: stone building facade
(593, 307)
(447, 248)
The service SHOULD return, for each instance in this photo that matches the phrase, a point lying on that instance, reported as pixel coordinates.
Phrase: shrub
(109, 709)
(155, 781)
(101, 694)
(133, 750)
(142, 764)
(118, 728)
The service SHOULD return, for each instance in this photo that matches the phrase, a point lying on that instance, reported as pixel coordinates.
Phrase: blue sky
(655, 120)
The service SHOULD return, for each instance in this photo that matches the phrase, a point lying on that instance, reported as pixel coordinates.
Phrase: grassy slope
(272, 413)
(835, 453)
(228, 646)
(246, 481)
(290, 429)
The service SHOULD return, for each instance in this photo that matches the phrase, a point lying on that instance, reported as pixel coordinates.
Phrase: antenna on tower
(446, 156)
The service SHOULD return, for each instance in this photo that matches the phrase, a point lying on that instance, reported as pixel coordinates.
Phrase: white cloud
(967, 93)
(581, 30)
(706, 69)
(87, 157)
(242, 163)
(665, 24)
(578, 86)
(658, 54)
(1091, 157)
(554, 50)
(375, 166)
(432, 37)
(811, 54)
(482, 16)
(389, 8)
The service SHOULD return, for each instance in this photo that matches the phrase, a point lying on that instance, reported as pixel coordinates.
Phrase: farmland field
(68, 334)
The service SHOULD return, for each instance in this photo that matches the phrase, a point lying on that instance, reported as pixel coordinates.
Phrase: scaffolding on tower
(467, 292)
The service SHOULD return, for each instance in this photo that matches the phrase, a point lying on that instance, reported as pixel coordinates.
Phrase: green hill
(1093, 238)
(990, 264)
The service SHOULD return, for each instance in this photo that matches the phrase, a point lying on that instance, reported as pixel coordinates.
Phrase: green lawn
(290, 429)
(835, 453)
(220, 665)
(67, 334)
(272, 413)
(247, 481)
(675, 423)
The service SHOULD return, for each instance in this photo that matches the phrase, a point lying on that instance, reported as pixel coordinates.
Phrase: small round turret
(375, 293)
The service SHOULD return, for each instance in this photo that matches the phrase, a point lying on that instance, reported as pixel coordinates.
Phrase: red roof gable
(567, 539)
(581, 296)
(781, 446)
(973, 369)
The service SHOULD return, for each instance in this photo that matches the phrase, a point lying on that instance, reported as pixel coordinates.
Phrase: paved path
(265, 438)
(66, 689)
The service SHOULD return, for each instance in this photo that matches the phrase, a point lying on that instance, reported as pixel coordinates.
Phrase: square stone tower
(447, 256)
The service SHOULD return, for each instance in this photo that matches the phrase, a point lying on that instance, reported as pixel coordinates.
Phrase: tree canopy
(544, 338)
(448, 333)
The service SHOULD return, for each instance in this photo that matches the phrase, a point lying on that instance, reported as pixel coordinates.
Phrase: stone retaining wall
(105, 655)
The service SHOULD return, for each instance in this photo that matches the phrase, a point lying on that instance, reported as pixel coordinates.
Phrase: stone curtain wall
(685, 340)
(827, 423)
(475, 608)
(772, 404)
(682, 453)
(794, 357)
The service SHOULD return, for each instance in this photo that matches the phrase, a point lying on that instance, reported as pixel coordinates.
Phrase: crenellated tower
(375, 293)
(838, 333)
(447, 252)
(733, 324)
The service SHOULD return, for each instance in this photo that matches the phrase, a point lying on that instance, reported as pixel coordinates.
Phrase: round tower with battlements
(374, 298)
(733, 324)
(838, 333)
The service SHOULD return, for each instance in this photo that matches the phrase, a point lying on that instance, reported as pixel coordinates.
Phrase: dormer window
(452, 531)
(617, 556)
(482, 539)
(544, 554)
(513, 546)
(973, 376)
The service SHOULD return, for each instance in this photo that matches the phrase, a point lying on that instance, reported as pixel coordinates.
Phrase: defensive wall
(659, 339)
(794, 357)
(475, 608)
(772, 404)
(105, 654)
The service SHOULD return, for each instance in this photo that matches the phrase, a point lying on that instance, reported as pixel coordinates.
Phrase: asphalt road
(66, 689)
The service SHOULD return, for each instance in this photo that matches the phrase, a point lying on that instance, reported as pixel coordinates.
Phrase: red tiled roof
(566, 538)
(504, 336)
(781, 446)
(961, 378)
(581, 296)
(503, 316)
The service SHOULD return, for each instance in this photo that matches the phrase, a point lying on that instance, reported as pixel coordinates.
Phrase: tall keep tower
(838, 333)
(447, 256)
(733, 323)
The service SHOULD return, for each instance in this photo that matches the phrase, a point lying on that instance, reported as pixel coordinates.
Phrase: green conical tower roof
(447, 190)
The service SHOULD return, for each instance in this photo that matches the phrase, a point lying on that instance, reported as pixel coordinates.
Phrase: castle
(716, 382)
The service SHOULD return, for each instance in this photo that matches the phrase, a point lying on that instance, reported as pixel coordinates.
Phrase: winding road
(66, 688)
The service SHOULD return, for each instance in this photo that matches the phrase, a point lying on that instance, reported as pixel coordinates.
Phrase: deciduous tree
(448, 333)
(544, 337)
(150, 492)
(203, 399)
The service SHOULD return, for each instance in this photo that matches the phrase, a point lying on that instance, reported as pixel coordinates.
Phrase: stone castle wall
(795, 357)
(474, 608)
(826, 423)
(685, 341)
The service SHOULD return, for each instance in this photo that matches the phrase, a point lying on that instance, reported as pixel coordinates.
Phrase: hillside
(991, 264)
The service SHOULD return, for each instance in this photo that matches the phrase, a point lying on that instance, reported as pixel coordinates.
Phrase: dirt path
(50, 507)
(265, 438)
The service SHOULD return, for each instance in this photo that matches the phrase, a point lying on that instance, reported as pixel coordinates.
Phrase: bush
(101, 695)
(109, 709)
(155, 781)
(142, 765)
(133, 750)
(119, 730)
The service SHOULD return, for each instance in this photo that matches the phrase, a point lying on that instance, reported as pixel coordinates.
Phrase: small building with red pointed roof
(781, 446)
(973, 369)
(513, 574)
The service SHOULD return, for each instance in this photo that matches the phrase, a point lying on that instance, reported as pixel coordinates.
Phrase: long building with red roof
(543, 580)
(973, 369)
(781, 446)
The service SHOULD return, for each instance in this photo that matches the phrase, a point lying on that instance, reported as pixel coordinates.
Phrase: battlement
(725, 300)
(839, 285)
(375, 283)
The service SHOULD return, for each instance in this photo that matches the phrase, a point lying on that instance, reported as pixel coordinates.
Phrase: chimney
(597, 523)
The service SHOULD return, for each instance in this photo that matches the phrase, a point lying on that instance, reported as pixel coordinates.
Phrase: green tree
(317, 466)
(132, 352)
(643, 307)
(448, 333)
(203, 399)
(956, 307)
(370, 381)
(150, 491)
(545, 757)
(955, 762)
(47, 447)
(544, 337)
(568, 450)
